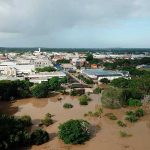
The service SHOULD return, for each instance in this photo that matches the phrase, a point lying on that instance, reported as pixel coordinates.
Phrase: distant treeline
(103, 50)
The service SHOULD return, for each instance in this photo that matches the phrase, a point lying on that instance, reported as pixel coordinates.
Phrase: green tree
(40, 90)
(26, 120)
(12, 133)
(89, 57)
(54, 83)
(120, 82)
(112, 98)
(63, 80)
(39, 137)
(74, 131)
(14, 89)
(105, 81)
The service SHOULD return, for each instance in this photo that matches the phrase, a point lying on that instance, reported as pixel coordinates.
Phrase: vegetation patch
(47, 120)
(26, 120)
(121, 123)
(124, 134)
(68, 105)
(134, 116)
(10, 90)
(40, 90)
(112, 98)
(139, 112)
(105, 81)
(111, 116)
(97, 90)
(134, 102)
(97, 113)
(84, 99)
(45, 69)
(14, 133)
(39, 137)
(131, 116)
(74, 131)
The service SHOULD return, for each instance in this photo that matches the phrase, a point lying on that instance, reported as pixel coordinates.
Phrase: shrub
(139, 112)
(97, 113)
(134, 102)
(111, 116)
(124, 134)
(73, 92)
(134, 116)
(68, 105)
(83, 100)
(74, 131)
(121, 124)
(97, 90)
(129, 113)
(26, 120)
(131, 116)
(39, 137)
(47, 120)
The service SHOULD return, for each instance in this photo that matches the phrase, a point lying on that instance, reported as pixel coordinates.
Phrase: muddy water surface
(105, 132)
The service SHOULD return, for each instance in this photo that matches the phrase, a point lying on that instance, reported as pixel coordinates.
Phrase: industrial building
(98, 74)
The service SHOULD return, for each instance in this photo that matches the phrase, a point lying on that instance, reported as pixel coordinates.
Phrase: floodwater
(105, 132)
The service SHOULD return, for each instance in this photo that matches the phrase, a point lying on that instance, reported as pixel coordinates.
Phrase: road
(75, 78)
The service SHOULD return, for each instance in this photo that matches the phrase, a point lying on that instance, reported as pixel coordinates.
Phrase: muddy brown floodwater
(105, 132)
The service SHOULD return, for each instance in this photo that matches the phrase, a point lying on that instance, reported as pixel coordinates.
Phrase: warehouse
(100, 74)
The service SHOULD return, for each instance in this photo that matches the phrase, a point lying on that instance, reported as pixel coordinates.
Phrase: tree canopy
(74, 131)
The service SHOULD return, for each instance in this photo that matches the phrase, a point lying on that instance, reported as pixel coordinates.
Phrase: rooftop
(101, 72)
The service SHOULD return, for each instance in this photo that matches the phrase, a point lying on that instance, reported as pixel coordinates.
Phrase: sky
(75, 23)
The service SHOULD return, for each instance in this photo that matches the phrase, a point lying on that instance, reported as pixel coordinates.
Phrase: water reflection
(8, 108)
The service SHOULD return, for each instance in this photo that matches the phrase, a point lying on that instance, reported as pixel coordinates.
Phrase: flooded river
(105, 132)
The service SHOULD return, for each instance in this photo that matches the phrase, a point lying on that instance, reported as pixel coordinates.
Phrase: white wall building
(44, 62)
(10, 71)
(100, 74)
(44, 76)
(7, 67)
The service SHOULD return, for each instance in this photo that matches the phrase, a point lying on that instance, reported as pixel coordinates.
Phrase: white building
(9, 67)
(10, 71)
(78, 61)
(40, 63)
(44, 76)
(99, 74)
(68, 67)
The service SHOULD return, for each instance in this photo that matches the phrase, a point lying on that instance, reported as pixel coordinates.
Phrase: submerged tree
(74, 131)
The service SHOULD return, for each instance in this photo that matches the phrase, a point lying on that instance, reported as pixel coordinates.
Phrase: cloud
(43, 16)
(46, 17)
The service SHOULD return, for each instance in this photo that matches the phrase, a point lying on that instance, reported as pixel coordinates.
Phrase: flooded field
(105, 132)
